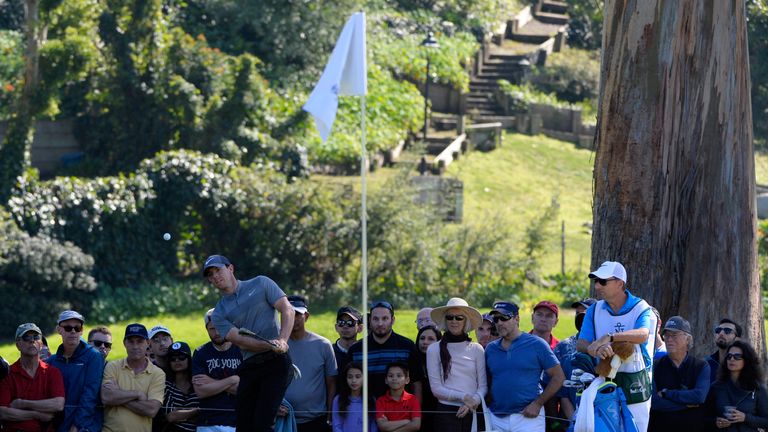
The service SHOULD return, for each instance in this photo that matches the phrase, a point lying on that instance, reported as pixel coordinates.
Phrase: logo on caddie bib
(619, 327)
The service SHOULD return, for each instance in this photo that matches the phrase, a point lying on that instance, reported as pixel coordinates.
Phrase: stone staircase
(534, 32)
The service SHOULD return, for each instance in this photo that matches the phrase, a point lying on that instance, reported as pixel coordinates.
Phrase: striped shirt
(396, 349)
(174, 400)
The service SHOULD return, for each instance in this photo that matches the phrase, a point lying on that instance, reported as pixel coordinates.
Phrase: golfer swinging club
(246, 315)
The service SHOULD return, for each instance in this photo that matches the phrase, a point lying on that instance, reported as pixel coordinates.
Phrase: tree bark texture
(674, 178)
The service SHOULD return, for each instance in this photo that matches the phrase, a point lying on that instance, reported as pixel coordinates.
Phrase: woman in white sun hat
(456, 366)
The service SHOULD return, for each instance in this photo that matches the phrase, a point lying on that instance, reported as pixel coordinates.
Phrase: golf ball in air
(166, 236)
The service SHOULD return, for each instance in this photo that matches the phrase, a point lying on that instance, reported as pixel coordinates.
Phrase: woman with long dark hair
(456, 367)
(741, 401)
(424, 338)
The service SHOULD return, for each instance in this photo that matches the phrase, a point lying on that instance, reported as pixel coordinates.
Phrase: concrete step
(473, 95)
(556, 7)
(502, 58)
(552, 18)
(530, 38)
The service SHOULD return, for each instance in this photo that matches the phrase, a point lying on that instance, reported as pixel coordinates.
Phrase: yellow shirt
(151, 382)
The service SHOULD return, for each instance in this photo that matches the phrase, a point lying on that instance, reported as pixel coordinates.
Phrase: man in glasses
(385, 347)
(726, 332)
(101, 339)
(247, 316)
(214, 376)
(514, 364)
(621, 317)
(82, 366)
(312, 395)
(349, 323)
(424, 318)
(33, 391)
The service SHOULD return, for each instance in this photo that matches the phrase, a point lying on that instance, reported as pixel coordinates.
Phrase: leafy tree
(585, 28)
(286, 35)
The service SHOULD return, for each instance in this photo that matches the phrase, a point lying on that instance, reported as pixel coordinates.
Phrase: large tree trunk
(674, 169)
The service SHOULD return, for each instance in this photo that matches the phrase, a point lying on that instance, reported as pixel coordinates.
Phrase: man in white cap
(621, 317)
(82, 367)
(160, 340)
(33, 391)
(312, 395)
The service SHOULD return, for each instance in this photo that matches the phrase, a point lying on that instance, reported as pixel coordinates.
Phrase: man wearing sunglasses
(621, 317)
(514, 365)
(726, 332)
(349, 324)
(82, 367)
(33, 391)
(101, 339)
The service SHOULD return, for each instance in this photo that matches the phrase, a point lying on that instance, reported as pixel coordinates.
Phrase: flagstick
(364, 262)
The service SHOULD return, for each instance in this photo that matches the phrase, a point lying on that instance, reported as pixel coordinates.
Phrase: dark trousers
(319, 424)
(445, 419)
(263, 381)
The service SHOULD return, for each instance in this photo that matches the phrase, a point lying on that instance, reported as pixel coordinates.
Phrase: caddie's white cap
(610, 269)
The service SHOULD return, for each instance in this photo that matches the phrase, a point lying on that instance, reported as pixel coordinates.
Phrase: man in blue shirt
(514, 364)
(621, 317)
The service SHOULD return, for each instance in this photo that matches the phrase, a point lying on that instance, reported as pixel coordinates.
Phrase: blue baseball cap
(505, 308)
(219, 261)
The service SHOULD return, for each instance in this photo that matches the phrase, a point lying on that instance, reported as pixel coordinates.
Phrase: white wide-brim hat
(474, 317)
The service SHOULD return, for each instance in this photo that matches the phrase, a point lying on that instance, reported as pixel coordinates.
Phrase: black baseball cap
(349, 310)
(219, 261)
(299, 303)
(384, 304)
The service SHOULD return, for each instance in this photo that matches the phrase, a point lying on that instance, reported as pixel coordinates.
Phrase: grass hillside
(519, 180)
(190, 329)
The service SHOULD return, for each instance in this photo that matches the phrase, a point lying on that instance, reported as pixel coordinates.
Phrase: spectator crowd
(467, 371)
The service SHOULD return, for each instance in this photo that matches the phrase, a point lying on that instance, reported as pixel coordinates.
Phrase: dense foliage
(757, 12)
(40, 276)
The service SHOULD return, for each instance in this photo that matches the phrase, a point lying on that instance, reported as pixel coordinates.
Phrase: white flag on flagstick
(344, 75)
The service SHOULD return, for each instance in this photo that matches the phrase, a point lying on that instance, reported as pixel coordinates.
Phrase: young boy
(398, 410)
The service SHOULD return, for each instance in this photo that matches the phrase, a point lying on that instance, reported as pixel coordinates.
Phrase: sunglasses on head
(346, 323)
(734, 356)
(603, 282)
(99, 344)
(502, 318)
(725, 330)
(31, 337)
(69, 328)
(454, 317)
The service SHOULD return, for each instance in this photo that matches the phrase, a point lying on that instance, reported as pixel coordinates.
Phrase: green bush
(40, 277)
(406, 58)
(573, 75)
(165, 296)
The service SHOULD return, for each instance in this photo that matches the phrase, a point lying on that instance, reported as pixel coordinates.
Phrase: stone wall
(53, 144)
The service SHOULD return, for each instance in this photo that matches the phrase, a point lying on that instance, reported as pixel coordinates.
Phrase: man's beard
(721, 344)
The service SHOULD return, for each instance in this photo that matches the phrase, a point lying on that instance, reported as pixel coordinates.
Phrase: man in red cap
(544, 319)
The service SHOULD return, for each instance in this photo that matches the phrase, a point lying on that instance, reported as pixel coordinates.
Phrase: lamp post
(430, 42)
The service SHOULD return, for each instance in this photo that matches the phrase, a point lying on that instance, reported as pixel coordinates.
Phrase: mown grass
(189, 328)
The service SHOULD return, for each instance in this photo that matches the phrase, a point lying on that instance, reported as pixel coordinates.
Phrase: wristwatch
(611, 336)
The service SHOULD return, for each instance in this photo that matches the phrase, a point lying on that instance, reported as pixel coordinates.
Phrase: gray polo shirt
(314, 356)
(251, 306)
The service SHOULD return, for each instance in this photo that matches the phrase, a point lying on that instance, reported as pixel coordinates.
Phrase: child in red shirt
(398, 410)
